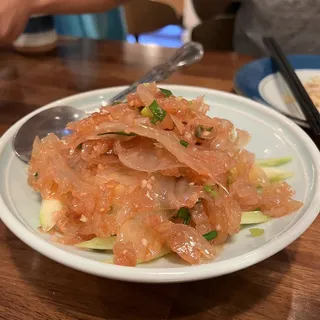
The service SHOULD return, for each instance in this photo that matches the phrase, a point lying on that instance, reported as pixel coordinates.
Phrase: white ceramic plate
(273, 135)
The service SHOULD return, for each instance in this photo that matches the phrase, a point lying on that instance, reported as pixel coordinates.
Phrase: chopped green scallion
(79, 146)
(166, 92)
(146, 112)
(157, 111)
(184, 143)
(184, 214)
(210, 235)
(198, 132)
(36, 175)
(210, 189)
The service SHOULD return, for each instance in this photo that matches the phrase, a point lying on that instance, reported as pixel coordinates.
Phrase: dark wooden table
(285, 286)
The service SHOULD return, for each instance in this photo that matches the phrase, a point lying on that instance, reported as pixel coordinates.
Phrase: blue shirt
(108, 25)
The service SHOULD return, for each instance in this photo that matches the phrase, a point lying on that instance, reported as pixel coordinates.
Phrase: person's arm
(73, 6)
(14, 14)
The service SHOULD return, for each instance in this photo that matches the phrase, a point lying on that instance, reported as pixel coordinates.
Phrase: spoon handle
(186, 55)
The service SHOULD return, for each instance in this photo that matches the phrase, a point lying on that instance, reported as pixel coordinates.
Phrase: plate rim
(163, 275)
(257, 96)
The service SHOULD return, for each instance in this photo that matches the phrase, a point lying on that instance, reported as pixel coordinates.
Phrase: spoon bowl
(51, 120)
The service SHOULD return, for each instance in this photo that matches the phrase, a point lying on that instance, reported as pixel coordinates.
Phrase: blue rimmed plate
(261, 81)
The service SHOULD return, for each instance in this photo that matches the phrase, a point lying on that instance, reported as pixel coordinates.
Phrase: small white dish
(273, 135)
(261, 81)
(275, 91)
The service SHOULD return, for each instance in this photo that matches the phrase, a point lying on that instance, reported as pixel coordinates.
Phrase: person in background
(72, 17)
(210, 22)
(293, 23)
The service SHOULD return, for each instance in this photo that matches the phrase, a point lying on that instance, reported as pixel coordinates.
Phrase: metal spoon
(55, 119)
(188, 54)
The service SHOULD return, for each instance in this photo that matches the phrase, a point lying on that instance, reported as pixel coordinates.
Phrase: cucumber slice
(98, 243)
(273, 162)
(256, 232)
(164, 251)
(275, 175)
(253, 217)
(47, 213)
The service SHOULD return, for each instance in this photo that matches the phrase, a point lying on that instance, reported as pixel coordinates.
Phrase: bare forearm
(74, 6)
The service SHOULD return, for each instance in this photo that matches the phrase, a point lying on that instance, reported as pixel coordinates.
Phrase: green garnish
(79, 146)
(273, 162)
(116, 102)
(157, 111)
(146, 112)
(166, 92)
(256, 232)
(198, 132)
(36, 175)
(210, 189)
(184, 143)
(210, 235)
(120, 133)
(184, 213)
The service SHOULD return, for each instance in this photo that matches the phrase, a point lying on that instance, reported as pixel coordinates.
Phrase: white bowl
(273, 135)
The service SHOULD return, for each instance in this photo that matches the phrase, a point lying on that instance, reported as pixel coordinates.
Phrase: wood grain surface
(285, 286)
